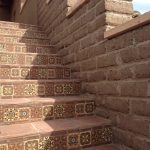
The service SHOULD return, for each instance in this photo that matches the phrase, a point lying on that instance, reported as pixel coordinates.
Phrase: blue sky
(142, 5)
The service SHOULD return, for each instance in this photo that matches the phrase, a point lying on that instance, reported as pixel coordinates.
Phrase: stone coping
(128, 26)
(77, 6)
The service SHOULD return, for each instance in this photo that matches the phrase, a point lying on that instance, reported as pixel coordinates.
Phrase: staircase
(41, 107)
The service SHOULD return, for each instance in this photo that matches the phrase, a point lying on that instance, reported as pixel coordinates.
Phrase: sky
(141, 5)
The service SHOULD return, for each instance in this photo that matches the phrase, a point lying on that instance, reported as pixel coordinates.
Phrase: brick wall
(116, 69)
(121, 83)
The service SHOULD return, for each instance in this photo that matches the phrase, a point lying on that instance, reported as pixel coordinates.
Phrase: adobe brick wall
(27, 15)
(116, 70)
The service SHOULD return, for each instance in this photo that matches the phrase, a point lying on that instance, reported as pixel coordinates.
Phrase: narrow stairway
(41, 107)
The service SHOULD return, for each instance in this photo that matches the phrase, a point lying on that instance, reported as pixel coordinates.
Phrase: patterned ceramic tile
(80, 108)
(36, 112)
(67, 73)
(101, 136)
(53, 111)
(5, 73)
(59, 111)
(69, 110)
(53, 143)
(40, 90)
(73, 140)
(7, 90)
(11, 114)
(3, 146)
(16, 146)
(59, 89)
(25, 72)
(1, 114)
(29, 60)
(68, 88)
(85, 138)
(32, 145)
(51, 73)
(89, 107)
(2, 47)
(63, 141)
(15, 72)
(32, 59)
(48, 111)
(24, 113)
(30, 90)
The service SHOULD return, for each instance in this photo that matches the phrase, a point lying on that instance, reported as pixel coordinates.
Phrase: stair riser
(29, 59)
(22, 48)
(62, 140)
(16, 40)
(25, 33)
(47, 111)
(19, 26)
(34, 73)
(18, 89)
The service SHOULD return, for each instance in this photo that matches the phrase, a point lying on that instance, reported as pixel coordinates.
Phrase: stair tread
(17, 36)
(17, 23)
(27, 44)
(42, 80)
(26, 30)
(28, 53)
(103, 147)
(55, 99)
(44, 127)
(33, 66)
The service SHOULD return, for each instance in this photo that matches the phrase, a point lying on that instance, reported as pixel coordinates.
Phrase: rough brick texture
(115, 70)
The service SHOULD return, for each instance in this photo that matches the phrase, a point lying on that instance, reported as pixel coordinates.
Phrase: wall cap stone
(128, 26)
(74, 8)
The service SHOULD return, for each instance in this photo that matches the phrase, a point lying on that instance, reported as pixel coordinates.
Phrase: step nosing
(25, 37)
(22, 29)
(44, 127)
(49, 100)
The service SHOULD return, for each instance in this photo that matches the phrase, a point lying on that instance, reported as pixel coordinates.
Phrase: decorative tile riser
(62, 140)
(29, 59)
(27, 88)
(18, 26)
(24, 33)
(23, 48)
(16, 40)
(10, 72)
(49, 111)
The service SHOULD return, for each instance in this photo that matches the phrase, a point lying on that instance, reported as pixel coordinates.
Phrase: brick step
(28, 72)
(103, 147)
(23, 33)
(42, 88)
(15, 25)
(27, 48)
(34, 109)
(29, 59)
(62, 134)
(16, 40)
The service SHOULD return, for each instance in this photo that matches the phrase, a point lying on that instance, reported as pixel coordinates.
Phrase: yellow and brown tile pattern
(16, 40)
(7, 72)
(22, 33)
(16, 89)
(29, 59)
(66, 140)
(48, 111)
(19, 26)
(24, 48)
